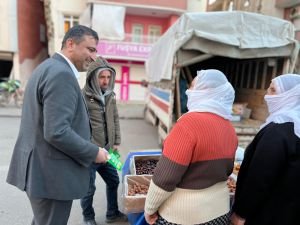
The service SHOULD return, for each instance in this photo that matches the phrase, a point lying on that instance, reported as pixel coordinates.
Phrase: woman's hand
(151, 219)
(236, 220)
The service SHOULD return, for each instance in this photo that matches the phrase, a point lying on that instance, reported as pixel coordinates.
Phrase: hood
(90, 88)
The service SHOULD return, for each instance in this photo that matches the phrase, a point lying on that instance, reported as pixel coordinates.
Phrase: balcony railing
(133, 47)
(133, 38)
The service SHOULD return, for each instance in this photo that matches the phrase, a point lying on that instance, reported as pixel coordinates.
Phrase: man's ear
(70, 43)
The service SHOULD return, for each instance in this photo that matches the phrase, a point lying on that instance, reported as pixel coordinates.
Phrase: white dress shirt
(75, 71)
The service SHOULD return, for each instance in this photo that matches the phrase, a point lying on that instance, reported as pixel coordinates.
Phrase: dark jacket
(104, 116)
(268, 185)
(53, 150)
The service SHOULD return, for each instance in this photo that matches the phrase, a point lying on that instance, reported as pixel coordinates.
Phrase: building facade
(23, 39)
(284, 9)
(266, 7)
(8, 37)
(291, 12)
(127, 30)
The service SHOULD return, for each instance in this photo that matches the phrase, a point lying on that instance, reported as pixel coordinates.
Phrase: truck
(250, 49)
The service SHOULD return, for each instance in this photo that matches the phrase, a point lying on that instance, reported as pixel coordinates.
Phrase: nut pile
(231, 184)
(145, 166)
(137, 189)
(236, 168)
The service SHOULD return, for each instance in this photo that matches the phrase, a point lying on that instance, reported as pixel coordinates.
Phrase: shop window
(70, 21)
(137, 33)
(154, 33)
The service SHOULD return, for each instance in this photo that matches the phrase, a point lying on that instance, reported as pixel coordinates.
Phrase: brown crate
(135, 204)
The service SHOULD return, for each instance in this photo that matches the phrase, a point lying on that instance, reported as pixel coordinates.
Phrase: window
(154, 33)
(70, 21)
(137, 33)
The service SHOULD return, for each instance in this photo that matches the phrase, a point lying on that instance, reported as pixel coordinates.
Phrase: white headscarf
(96, 87)
(211, 93)
(284, 106)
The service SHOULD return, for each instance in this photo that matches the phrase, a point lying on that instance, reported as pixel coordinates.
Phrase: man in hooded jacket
(104, 118)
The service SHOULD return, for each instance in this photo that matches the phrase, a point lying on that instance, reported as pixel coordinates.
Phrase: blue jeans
(110, 176)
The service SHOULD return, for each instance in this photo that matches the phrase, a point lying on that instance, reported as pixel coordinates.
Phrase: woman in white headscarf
(189, 183)
(268, 185)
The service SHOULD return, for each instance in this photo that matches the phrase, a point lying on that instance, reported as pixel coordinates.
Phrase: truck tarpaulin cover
(238, 35)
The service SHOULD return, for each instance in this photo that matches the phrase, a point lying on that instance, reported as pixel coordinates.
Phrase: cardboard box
(239, 107)
(235, 118)
(246, 113)
(135, 204)
(137, 158)
(242, 110)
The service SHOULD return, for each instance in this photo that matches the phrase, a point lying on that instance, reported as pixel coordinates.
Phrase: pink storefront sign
(127, 50)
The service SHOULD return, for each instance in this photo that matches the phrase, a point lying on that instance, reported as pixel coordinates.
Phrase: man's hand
(236, 220)
(116, 147)
(102, 156)
(151, 219)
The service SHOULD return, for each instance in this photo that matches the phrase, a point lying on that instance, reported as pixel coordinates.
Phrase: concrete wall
(268, 8)
(178, 4)
(23, 33)
(136, 92)
(59, 8)
(8, 26)
(286, 3)
(196, 5)
(145, 21)
(29, 64)
(32, 38)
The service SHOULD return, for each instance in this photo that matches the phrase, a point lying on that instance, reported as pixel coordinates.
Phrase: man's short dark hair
(77, 33)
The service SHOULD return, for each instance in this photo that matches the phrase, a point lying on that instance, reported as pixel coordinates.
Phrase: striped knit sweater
(189, 183)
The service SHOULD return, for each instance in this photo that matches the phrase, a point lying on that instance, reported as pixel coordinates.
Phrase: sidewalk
(131, 110)
(10, 111)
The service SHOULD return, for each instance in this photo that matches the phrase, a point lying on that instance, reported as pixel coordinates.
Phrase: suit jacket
(53, 148)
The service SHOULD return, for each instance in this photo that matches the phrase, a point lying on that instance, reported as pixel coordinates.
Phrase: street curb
(122, 117)
(130, 118)
(126, 111)
(10, 112)
(10, 116)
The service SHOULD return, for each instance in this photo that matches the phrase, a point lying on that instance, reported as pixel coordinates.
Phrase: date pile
(145, 166)
(137, 189)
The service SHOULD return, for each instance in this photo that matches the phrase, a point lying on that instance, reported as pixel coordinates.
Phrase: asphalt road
(14, 205)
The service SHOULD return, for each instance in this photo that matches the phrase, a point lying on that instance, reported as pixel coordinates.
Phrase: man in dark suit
(53, 150)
